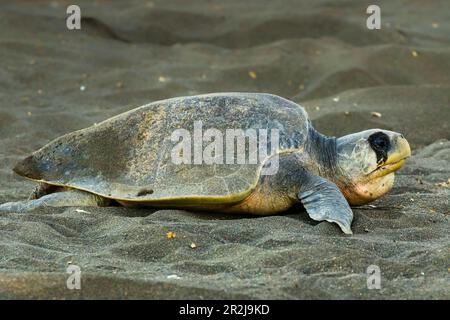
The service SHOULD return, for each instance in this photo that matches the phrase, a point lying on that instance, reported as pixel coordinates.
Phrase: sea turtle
(174, 154)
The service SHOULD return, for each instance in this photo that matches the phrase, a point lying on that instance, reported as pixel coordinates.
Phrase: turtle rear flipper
(323, 200)
(42, 189)
(68, 198)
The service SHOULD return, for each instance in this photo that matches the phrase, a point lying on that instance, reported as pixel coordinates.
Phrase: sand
(317, 53)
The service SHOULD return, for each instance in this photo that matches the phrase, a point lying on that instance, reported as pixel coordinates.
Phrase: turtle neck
(323, 150)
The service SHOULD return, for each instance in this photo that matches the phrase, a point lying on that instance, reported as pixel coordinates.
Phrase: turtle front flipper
(323, 200)
(58, 199)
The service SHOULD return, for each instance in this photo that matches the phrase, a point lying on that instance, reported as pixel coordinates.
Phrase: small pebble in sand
(347, 113)
(414, 53)
(252, 74)
(171, 235)
(82, 88)
(412, 200)
(376, 114)
(193, 245)
(81, 211)
(317, 108)
(336, 99)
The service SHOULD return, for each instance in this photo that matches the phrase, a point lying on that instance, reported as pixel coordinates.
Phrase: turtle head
(367, 162)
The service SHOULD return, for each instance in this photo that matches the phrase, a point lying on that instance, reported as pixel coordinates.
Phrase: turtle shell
(129, 157)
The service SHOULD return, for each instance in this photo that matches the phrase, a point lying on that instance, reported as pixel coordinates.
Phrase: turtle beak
(397, 156)
(400, 152)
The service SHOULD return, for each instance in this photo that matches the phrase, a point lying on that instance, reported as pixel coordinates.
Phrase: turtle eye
(380, 143)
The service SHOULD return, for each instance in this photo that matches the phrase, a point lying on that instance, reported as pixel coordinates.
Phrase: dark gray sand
(318, 53)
